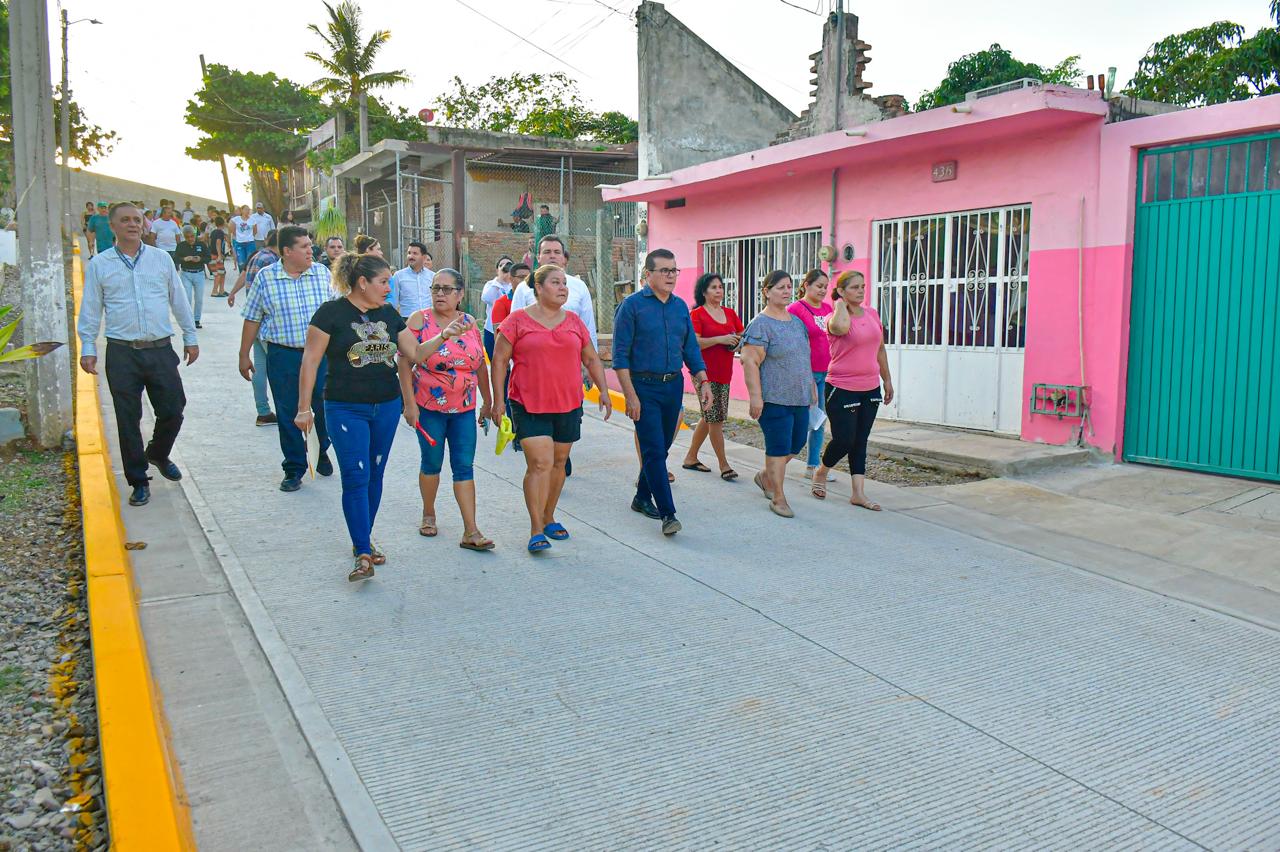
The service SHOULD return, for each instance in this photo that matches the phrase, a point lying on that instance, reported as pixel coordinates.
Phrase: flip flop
(698, 466)
(539, 543)
(477, 542)
(760, 484)
(555, 531)
(728, 474)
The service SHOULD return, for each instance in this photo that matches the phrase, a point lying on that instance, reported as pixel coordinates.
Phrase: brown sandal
(428, 526)
(476, 541)
(819, 489)
(376, 556)
(363, 569)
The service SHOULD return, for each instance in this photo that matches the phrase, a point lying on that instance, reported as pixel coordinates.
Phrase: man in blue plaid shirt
(282, 300)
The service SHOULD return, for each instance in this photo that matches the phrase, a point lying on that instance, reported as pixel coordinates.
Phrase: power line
(801, 8)
(611, 9)
(507, 29)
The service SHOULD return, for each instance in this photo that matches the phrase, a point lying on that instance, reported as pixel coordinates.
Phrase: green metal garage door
(1204, 362)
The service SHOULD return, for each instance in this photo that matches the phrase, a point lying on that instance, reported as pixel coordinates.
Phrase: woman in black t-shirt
(359, 335)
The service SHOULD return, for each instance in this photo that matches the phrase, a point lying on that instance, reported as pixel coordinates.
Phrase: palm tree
(349, 63)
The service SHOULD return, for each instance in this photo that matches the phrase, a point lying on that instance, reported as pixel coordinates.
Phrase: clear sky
(135, 72)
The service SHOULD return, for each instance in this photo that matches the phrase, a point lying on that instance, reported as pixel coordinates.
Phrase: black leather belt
(141, 344)
(656, 377)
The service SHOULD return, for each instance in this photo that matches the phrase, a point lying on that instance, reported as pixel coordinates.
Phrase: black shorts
(562, 428)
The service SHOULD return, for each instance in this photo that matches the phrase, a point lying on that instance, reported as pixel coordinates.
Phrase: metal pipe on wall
(831, 264)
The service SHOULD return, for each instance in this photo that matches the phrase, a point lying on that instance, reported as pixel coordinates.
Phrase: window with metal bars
(743, 262)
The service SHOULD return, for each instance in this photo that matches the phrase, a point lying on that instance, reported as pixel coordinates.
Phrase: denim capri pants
(785, 427)
(456, 431)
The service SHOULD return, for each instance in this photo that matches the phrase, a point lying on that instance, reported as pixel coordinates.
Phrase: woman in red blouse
(718, 330)
(549, 346)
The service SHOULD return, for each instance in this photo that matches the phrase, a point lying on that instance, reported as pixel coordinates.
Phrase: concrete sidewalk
(843, 679)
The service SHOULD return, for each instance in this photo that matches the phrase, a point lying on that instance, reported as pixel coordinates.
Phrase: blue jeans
(260, 400)
(244, 251)
(816, 436)
(458, 432)
(785, 428)
(362, 436)
(194, 285)
(283, 365)
(660, 404)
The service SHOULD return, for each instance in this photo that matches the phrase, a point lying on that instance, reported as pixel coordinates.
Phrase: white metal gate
(951, 290)
(744, 261)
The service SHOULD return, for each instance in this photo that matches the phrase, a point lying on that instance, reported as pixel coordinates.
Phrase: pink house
(998, 238)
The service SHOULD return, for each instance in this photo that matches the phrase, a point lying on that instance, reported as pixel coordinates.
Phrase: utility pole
(68, 223)
(222, 160)
(43, 281)
(364, 122)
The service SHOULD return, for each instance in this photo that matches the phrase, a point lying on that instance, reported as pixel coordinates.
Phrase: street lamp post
(68, 217)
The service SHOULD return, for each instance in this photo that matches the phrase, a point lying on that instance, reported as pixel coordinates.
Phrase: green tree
(1211, 65)
(384, 123)
(89, 142)
(349, 57)
(991, 67)
(260, 118)
(534, 104)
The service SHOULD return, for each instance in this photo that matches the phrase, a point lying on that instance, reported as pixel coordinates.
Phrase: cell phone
(485, 425)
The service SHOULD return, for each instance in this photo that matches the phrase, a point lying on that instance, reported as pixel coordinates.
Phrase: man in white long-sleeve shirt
(137, 287)
(554, 250)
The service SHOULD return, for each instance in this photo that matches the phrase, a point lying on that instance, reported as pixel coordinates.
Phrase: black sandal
(728, 474)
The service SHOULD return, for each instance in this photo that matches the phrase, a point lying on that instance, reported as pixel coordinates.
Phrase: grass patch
(11, 680)
(23, 476)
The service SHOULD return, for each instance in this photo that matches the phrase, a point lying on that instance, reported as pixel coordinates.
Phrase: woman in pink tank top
(859, 367)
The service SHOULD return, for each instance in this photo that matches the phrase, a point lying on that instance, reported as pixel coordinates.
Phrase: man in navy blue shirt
(653, 341)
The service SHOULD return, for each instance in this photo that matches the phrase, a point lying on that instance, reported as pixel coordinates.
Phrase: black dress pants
(129, 372)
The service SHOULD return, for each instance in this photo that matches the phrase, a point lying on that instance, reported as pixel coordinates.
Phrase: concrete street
(841, 680)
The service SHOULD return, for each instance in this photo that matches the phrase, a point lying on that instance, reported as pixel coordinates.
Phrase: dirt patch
(879, 469)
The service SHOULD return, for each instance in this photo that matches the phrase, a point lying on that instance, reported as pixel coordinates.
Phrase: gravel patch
(50, 769)
(879, 469)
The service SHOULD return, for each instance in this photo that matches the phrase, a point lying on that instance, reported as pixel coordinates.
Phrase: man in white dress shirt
(411, 286)
(262, 223)
(554, 250)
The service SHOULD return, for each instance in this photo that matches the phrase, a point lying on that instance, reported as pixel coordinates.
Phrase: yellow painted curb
(618, 401)
(147, 809)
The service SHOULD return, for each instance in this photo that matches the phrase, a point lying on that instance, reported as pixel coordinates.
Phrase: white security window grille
(955, 281)
(744, 261)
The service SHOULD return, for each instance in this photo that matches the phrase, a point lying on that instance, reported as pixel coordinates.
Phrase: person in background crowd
(218, 257)
(440, 398)
(653, 341)
(366, 244)
(187, 213)
(357, 336)
(859, 367)
(502, 307)
(812, 310)
(242, 237)
(529, 255)
(281, 303)
(286, 218)
(167, 232)
(100, 226)
(775, 363)
(260, 260)
(137, 287)
(494, 289)
(192, 255)
(334, 247)
(411, 286)
(719, 330)
(90, 238)
(262, 223)
(550, 347)
(261, 386)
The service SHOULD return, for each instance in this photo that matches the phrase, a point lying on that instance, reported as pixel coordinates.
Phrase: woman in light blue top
(775, 364)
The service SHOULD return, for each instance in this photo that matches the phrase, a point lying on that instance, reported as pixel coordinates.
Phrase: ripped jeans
(362, 433)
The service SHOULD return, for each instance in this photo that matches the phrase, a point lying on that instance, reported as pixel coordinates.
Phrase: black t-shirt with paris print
(361, 351)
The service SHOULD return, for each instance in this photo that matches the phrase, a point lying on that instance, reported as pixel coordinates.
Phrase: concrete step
(974, 452)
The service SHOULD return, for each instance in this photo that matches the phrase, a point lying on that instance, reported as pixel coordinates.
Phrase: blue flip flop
(539, 543)
(556, 531)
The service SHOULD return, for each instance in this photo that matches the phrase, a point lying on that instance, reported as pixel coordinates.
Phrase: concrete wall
(89, 186)
(1057, 169)
(695, 106)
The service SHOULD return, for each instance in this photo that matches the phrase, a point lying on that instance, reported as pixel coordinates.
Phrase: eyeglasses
(666, 270)
(444, 289)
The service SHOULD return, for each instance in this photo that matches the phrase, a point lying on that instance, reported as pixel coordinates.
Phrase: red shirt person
(718, 330)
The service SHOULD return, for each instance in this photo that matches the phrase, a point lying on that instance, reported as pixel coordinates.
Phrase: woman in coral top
(718, 330)
(440, 401)
(549, 346)
(859, 368)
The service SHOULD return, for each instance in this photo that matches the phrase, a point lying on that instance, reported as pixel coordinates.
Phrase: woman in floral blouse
(440, 402)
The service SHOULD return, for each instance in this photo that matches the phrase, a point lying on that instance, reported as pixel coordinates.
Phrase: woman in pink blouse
(440, 401)
(859, 368)
(812, 310)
